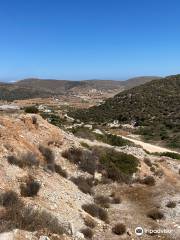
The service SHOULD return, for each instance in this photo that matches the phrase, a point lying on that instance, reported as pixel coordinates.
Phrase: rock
(44, 238)
(7, 236)
(79, 236)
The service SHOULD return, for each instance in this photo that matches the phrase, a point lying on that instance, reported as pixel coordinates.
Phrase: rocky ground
(61, 201)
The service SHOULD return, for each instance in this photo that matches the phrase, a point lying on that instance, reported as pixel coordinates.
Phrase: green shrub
(113, 140)
(31, 109)
(171, 155)
(118, 165)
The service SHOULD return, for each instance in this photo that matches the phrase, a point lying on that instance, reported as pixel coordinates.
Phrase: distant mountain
(154, 105)
(32, 87)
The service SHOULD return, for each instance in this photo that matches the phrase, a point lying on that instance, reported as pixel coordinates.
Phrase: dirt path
(147, 146)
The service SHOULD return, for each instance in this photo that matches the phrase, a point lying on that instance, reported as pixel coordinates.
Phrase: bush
(9, 198)
(96, 211)
(118, 165)
(119, 229)
(31, 109)
(30, 188)
(84, 184)
(25, 160)
(48, 156)
(171, 204)
(74, 155)
(116, 200)
(19, 216)
(113, 140)
(148, 162)
(85, 159)
(60, 171)
(88, 233)
(149, 180)
(89, 222)
(102, 201)
(171, 155)
(34, 120)
(155, 214)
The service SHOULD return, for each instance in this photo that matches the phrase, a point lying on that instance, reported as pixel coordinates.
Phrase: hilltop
(35, 88)
(154, 106)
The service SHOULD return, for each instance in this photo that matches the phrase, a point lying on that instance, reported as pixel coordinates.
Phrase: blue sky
(88, 39)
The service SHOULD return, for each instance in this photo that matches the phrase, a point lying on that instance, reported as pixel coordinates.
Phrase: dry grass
(88, 233)
(96, 211)
(103, 201)
(119, 229)
(155, 214)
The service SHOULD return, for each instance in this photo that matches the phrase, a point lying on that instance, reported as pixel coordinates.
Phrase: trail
(147, 146)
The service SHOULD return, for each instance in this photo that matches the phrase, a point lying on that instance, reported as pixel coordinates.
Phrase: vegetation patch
(119, 229)
(89, 221)
(171, 204)
(30, 188)
(88, 233)
(155, 214)
(85, 159)
(118, 165)
(103, 201)
(84, 184)
(96, 211)
(31, 109)
(25, 160)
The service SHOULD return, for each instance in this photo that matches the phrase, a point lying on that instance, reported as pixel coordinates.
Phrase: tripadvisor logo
(139, 231)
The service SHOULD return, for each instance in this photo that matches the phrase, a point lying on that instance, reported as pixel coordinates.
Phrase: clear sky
(88, 39)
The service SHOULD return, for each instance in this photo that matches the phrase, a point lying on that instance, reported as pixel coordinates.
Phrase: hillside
(154, 105)
(54, 188)
(33, 88)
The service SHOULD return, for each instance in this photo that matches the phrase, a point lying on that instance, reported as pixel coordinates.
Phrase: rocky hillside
(154, 106)
(33, 88)
(55, 187)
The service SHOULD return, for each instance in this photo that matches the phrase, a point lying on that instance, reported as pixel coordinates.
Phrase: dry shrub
(88, 233)
(9, 198)
(30, 188)
(148, 162)
(26, 218)
(96, 211)
(171, 204)
(60, 171)
(116, 200)
(25, 160)
(73, 154)
(47, 154)
(89, 221)
(84, 184)
(149, 180)
(85, 159)
(119, 229)
(155, 214)
(103, 201)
